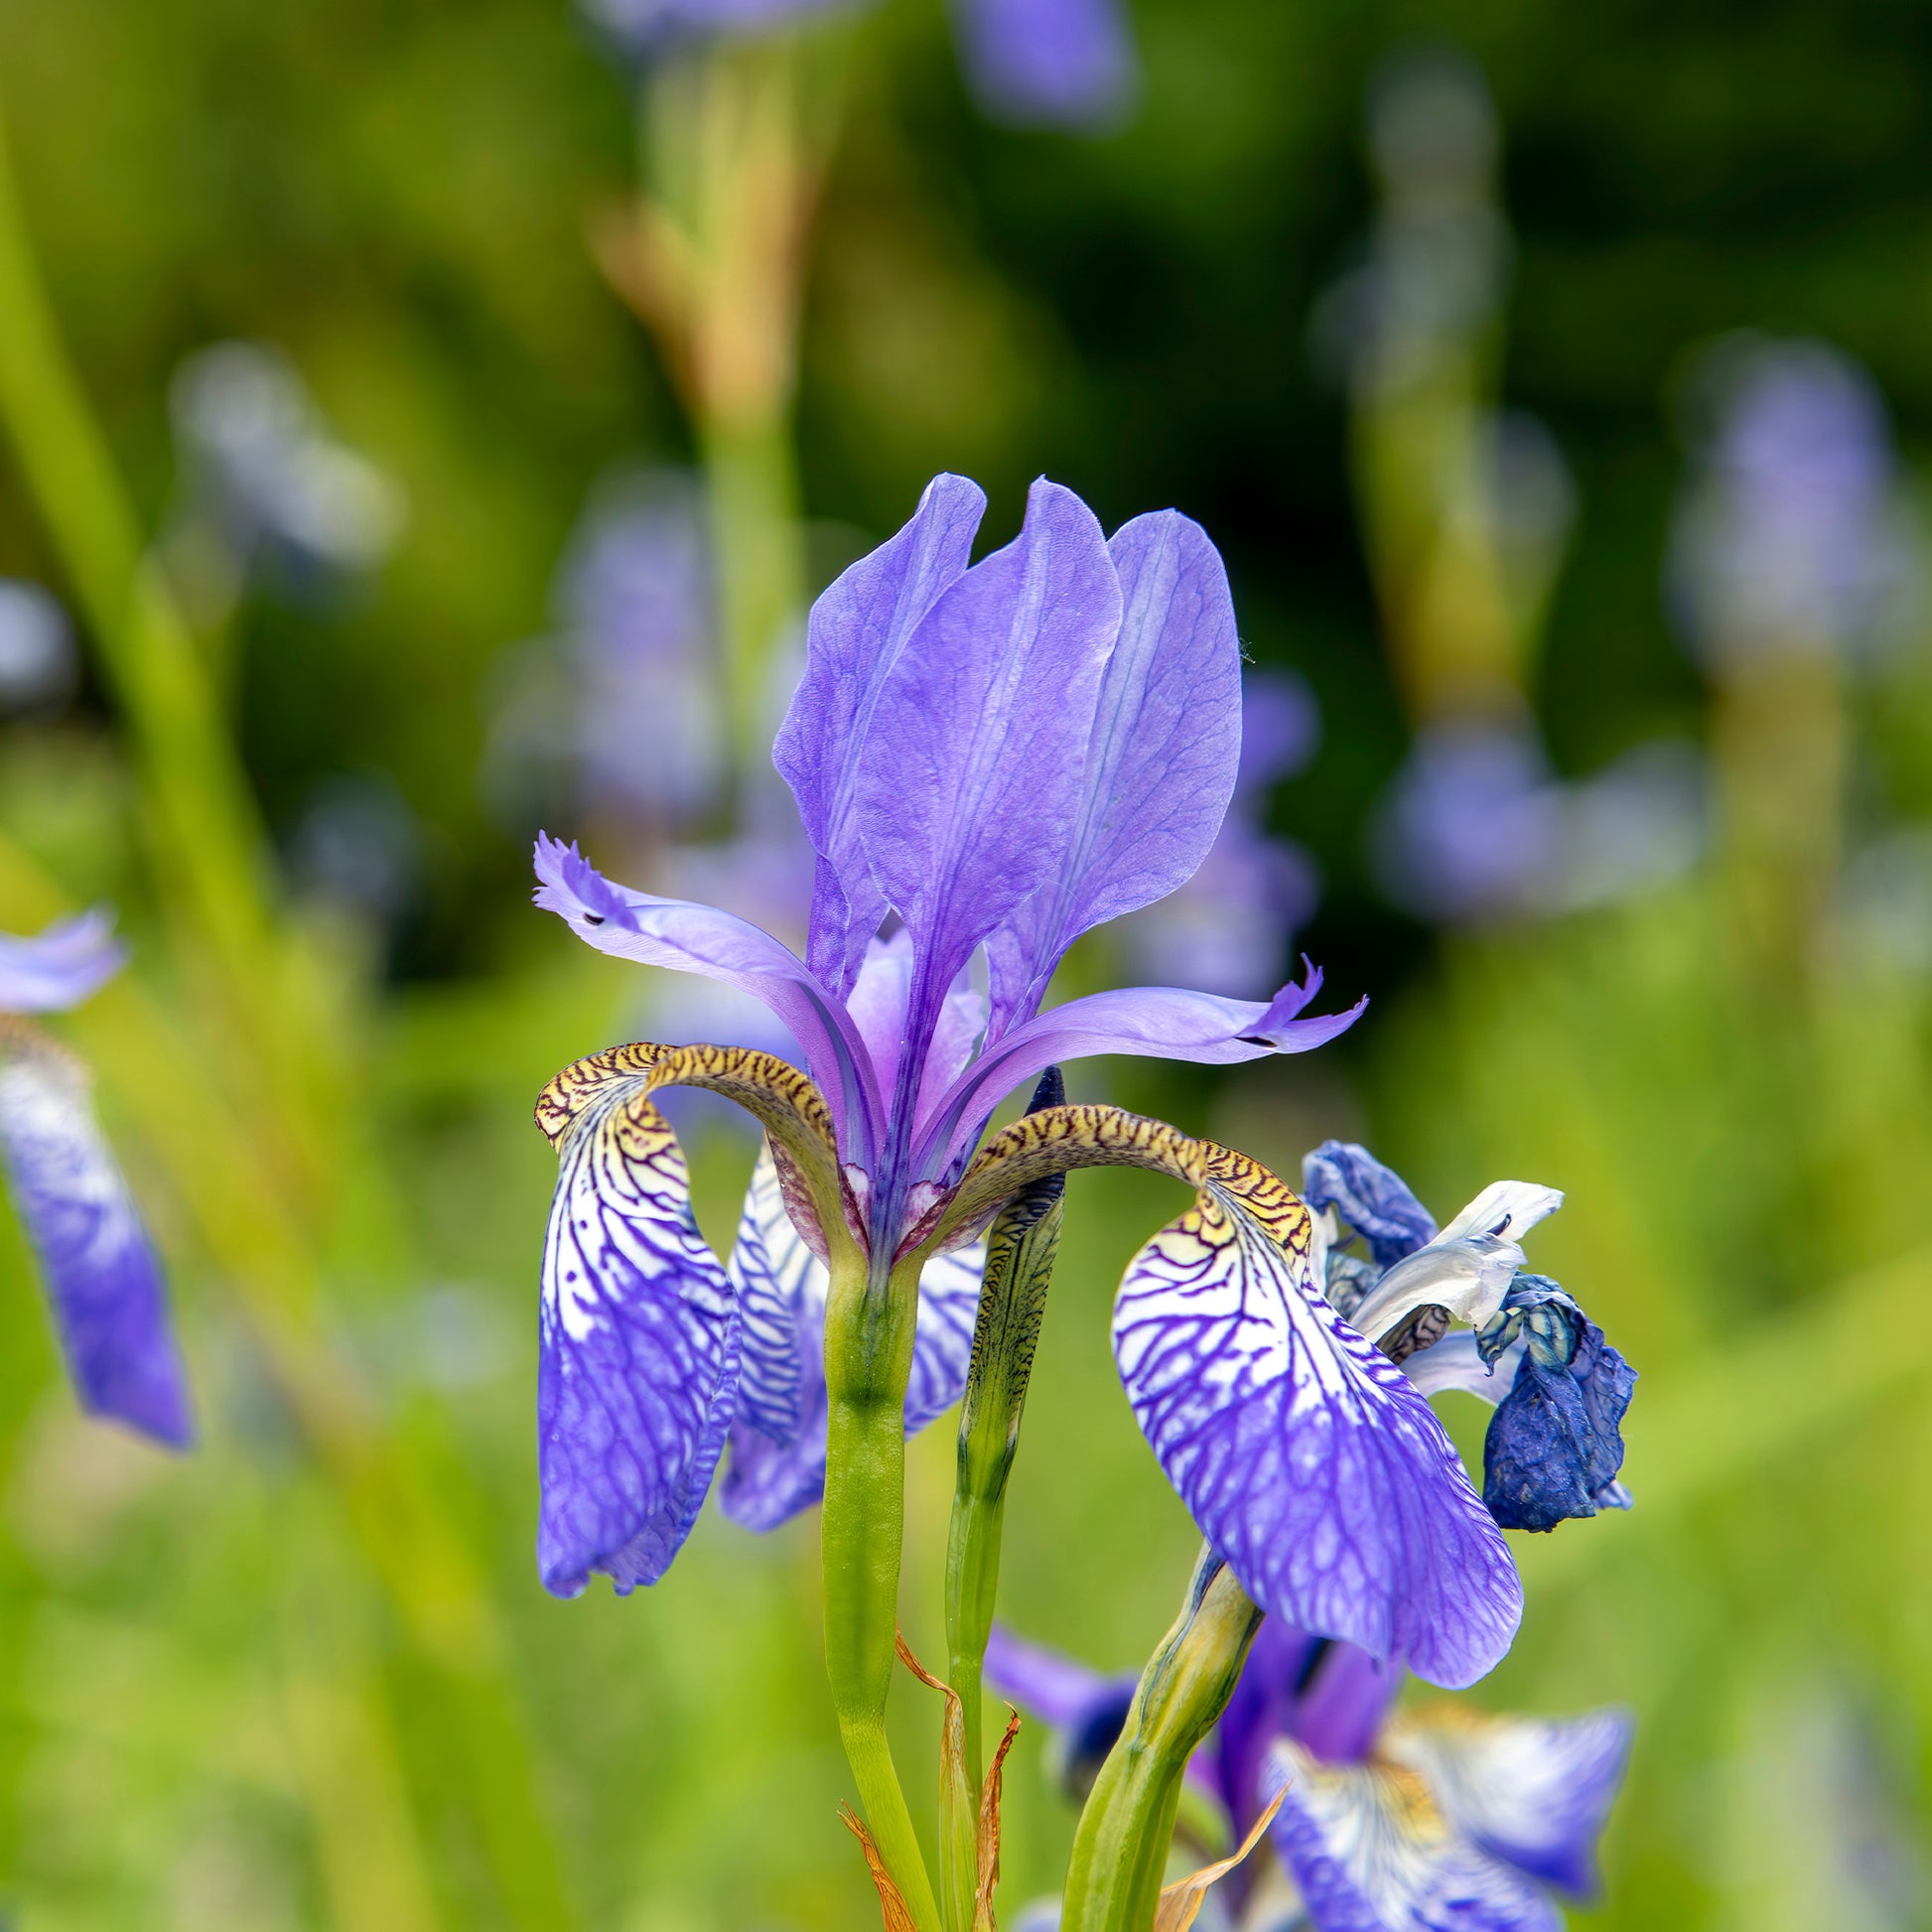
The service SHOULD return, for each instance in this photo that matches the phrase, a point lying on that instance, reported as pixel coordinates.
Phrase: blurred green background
(306, 1677)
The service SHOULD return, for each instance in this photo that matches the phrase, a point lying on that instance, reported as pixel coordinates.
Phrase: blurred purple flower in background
(102, 1277)
(1476, 828)
(266, 485)
(1230, 927)
(1794, 534)
(1032, 62)
(1446, 1819)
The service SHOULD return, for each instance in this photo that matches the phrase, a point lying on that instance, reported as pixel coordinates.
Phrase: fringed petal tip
(1280, 1027)
(570, 887)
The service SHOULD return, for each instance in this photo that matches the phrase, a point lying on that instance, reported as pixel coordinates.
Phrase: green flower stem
(1120, 1850)
(869, 1322)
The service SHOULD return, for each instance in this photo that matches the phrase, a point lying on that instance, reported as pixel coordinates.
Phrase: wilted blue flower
(1554, 1446)
(1442, 1819)
(1794, 535)
(1001, 758)
(1227, 928)
(1034, 62)
(102, 1277)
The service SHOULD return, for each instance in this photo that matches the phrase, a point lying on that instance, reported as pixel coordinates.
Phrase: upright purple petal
(102, 1277)
(974, 765)
(1156, 1022)
(691, 939)
(1160, 761)
(1305, 1456)
(1368, 1853)
(1533, 1791)
(638, 1354)
(58, 968)
(1047, 63)
(857, 631)
(1372, 1200)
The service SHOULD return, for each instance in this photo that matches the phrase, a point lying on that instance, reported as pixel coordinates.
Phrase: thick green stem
(1120, 1850)
(867, 1358)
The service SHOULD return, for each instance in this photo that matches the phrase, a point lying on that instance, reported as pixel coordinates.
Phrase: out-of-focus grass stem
(253, 1166)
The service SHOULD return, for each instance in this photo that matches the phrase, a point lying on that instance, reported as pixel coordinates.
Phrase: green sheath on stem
(1120, 1850)
(1020, 1253)
(868, 1324)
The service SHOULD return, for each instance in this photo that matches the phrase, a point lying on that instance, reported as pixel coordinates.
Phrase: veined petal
(1303, 1454)
(1047, 63)
(778, 1465)
(638, 1341)
(102, 1277)
(1370, 1851)
(691, 939)
(1160, 759)
(58, 968)
(974, 760)
(1373, 1199)
(856, 629)
(1534, 1791)
(1152, 1022)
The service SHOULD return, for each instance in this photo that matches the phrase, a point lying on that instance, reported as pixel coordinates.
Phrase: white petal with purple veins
(1534, 1791)
(638, 1352)
(1370, 1851)
(1303, 1453)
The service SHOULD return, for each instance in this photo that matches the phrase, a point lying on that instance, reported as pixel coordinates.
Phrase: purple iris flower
(1443, 1819)
(989, 760)
(1031, 62)
(1554, 1446)
(102, 1277)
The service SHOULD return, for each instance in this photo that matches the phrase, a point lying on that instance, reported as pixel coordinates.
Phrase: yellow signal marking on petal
(1058, 1139)
(790, 1108)
(1181, 1902)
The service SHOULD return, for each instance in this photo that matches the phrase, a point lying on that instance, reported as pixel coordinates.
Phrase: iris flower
(1032, 62)
(1554, 1445)
(996, 757)
(102, 1277)
(1440, 1819)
